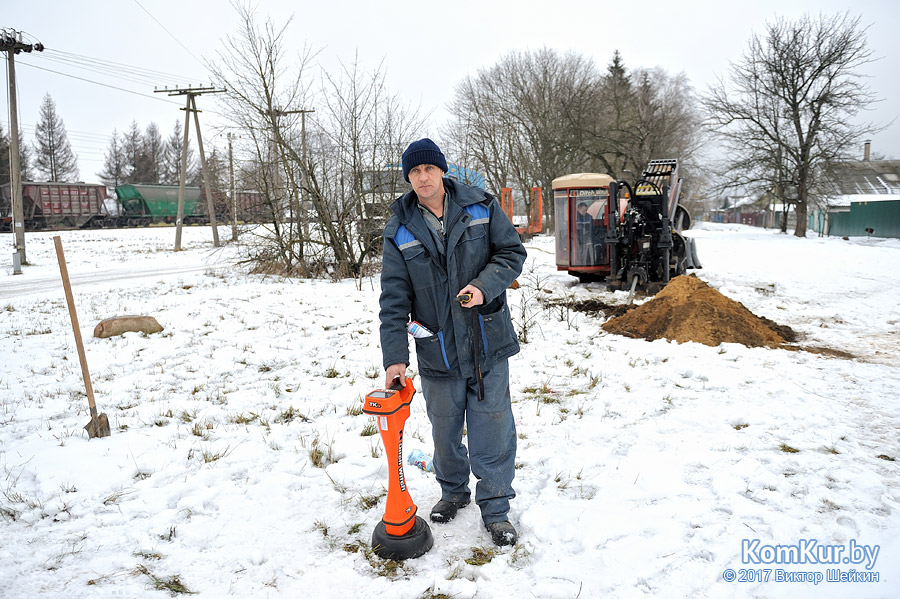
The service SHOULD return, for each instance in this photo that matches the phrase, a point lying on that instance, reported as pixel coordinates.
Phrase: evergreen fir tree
(115, 167)
(4, 157)
(173, 157)
(132, 147)
(25, 167)
(54, 158)
(616, 72)
(218, 170)
(152, 159)
(24, 158)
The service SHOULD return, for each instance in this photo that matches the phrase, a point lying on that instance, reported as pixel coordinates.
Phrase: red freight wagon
(57, 205)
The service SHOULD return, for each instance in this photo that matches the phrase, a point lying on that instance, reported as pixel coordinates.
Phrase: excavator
(631, 236)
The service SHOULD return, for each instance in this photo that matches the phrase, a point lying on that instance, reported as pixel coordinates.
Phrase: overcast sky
(426, 48)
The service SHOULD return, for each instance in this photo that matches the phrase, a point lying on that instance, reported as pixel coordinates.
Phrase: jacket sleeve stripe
(480, 214)
(413, 243)
(478, 211)
(404, 239)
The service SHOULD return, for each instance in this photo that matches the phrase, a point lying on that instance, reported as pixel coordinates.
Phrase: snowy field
(240, 465)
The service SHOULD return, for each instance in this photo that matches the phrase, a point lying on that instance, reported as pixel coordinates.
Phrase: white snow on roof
(846, 200)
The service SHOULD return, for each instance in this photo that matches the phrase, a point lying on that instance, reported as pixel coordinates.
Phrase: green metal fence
(883, 217)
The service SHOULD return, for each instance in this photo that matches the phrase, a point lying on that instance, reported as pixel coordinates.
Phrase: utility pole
(11, 43)
(191, 106)
(234, 232)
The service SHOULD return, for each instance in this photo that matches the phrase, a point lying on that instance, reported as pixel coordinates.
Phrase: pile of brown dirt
(688, 309)
(594, 307)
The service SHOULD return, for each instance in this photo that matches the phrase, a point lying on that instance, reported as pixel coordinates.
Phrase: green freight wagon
(142, 205)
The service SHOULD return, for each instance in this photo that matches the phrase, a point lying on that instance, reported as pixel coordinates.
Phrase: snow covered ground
(645, 469)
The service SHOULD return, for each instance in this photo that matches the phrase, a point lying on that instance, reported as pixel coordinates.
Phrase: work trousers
(491, 434)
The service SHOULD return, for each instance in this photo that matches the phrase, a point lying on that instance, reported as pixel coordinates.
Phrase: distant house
(865, 200)
(763, 211)
(744, 210)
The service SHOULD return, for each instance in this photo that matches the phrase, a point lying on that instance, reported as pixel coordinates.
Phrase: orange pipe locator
(400, 534)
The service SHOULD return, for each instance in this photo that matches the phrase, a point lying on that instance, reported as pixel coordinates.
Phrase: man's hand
(477, 296)
(394, 372)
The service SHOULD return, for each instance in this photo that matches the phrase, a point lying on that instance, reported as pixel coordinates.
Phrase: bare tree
(479, 128)
(260, 91)
(508, 120)
(787, 112)
(541, 83)
(667, 123)
(362, 131)
(217, 165)
(317, 180)
(538, 115)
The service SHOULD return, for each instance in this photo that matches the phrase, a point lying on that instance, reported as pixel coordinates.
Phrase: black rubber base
(417, 542)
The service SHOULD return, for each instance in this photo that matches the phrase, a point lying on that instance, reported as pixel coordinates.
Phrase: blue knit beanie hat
(423, 151)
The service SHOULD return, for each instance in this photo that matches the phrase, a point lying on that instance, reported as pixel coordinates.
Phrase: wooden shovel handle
(64, 273)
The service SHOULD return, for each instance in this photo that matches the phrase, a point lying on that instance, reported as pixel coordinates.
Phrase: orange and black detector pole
(401, 534)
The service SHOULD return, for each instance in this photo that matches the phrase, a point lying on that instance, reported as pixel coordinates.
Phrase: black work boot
(445, 511)
(502, 533)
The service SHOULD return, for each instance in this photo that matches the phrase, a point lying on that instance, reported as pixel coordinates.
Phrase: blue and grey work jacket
(421, 280)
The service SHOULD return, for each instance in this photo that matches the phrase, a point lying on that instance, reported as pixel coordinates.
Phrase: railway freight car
(53, 205)
(251, 207)
(142, 205)
(248, 206)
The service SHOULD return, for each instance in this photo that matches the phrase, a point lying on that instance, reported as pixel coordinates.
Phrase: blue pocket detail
(483, 336)
(443, 349)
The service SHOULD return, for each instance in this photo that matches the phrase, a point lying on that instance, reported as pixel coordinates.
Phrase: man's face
(426, 180)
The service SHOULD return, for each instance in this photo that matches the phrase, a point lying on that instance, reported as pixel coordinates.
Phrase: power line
(111, 70)
(84, 138)
(115, 67)
(115, 87)
(86, 144)
(89, 144)
(121, 89)
(169, 32)
(75, 132)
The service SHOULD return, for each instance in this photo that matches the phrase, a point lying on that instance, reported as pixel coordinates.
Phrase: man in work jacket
(446, 240)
